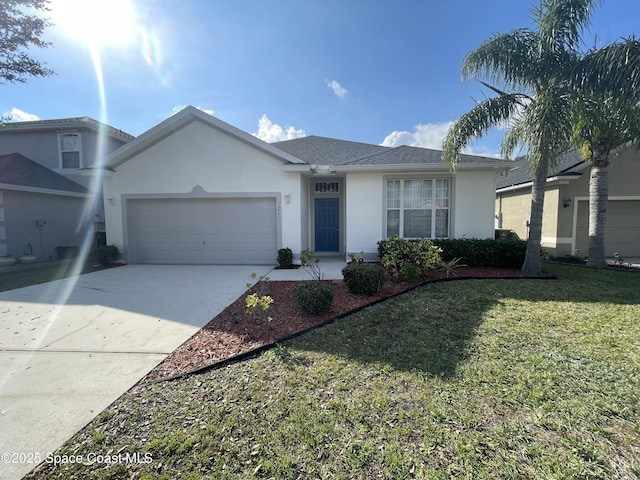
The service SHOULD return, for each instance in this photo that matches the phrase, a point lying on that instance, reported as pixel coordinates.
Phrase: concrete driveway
(69, 348)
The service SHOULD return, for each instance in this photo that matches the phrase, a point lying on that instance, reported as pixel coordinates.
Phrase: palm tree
(545, 69)
(603, 126)
(536, 65)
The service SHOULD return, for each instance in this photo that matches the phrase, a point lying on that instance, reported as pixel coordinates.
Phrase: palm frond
(561, 22)
(503, 59)
(475, 123)
(605, 123)
(614, 70)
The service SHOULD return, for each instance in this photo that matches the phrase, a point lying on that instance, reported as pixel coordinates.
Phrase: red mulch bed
(234, 332)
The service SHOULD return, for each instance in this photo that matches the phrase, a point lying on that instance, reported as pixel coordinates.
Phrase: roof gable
(18, 170)
(180, 120)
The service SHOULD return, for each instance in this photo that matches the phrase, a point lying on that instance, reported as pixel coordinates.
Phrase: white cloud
(17, 115)
(272, 132)
(337, 89)
(431, 135)
(482, 151)
(177, 108)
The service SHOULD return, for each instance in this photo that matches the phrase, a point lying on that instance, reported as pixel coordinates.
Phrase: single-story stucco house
(565, 225)
(196, 190)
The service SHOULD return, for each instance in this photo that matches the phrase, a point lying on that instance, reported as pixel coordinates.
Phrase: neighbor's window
(418, 208)
(70, 150)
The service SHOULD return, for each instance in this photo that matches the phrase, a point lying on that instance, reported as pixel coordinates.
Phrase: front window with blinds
(70, 147)
(418, 208)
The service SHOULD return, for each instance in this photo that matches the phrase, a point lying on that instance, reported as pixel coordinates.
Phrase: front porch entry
(326, 201)
(327, 224)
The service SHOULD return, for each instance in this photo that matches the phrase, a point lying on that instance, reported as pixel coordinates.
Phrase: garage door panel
(622, 229)
(204, 231)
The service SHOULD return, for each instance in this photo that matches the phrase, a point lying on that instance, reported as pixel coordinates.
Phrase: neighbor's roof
(521, 175)
(17, 170)
(66, 123)
(342, 153)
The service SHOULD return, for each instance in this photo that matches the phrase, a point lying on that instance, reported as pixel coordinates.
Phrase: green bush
(396, 252)
(363, 278)
(285, 257)
(313, 297)
(411, 272)
(107, 254)
(505, 253)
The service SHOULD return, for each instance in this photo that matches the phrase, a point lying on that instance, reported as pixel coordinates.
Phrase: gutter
(557, 178)
(48, 191)
(411, 167)
(97, 171)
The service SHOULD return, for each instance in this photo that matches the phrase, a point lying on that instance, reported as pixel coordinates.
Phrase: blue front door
(327, 225)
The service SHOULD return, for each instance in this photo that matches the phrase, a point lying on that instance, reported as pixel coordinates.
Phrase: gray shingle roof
(406, 155)
(74, 122)
(523, 174)
(330, 151)
(18, 170)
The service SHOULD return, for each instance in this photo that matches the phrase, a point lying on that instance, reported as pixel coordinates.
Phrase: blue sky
(381, 72)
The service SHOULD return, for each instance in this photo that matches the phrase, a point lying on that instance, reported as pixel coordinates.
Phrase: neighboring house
(64, 147)
(565, 226)
(39, 209)
(195, 190)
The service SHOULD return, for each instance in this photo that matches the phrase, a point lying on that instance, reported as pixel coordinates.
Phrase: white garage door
(622, 230)
(203, 231)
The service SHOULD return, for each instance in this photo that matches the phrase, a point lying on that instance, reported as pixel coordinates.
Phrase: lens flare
(153, 54)
(95, 22)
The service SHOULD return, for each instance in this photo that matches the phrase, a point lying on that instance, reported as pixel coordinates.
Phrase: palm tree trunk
(598, 196)
(532, 265)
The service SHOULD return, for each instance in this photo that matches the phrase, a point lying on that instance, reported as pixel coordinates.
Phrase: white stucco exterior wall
(474, 205)
(472, 201)
(201, 155)
(364, 210)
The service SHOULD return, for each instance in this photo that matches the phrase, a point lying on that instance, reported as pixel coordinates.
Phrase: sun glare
(97, 22)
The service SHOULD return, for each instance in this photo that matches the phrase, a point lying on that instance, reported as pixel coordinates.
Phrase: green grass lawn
(25, 275)
(466, 379)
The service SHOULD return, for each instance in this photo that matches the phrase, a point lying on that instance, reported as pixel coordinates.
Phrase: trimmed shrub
(396, 252)
(411, 272)
(313, 297)
(285, 257)
(363, 278)
(505, 253)
(107, 254)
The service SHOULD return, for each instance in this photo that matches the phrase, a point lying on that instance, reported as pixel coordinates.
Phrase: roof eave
(48, 191)
(95, 171)
(68, 126)
(439, 167)
(555, 179)
(406, 167)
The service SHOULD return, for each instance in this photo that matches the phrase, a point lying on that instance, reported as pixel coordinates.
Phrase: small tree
(20, 29)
